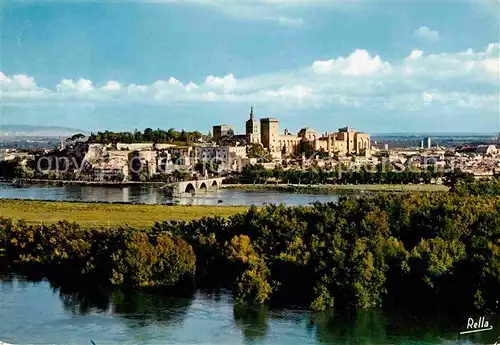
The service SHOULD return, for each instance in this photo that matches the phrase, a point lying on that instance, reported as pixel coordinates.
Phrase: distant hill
(37, 131)
(436, 134)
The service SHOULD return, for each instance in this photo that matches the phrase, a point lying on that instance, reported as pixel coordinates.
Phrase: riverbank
(291, 188)
(338, 188)
(80, 183)
(104, 214)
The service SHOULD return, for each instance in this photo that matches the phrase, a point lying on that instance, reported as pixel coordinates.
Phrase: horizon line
(460, 133)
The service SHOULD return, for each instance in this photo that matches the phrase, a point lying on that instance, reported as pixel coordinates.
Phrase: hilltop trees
(149, 135)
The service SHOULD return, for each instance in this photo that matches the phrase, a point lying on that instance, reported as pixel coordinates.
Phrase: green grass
(102, 214)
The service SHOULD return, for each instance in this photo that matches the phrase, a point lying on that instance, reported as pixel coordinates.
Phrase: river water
(37, 313)
(154, 195)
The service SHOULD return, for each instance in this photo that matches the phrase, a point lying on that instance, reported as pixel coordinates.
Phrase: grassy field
(330, 188)
(101, 214)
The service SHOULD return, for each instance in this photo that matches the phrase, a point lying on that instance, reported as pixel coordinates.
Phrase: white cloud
(461, 80)
(297, 93)
(227, 82)
(17, 83)
(427, 35)
(427, 97)
(68, 85)
(359, 63)
(492, 66)
(112, 86)
(134, 89)
(191, 86)
(416, 54)
(460, 99)
(172, 90)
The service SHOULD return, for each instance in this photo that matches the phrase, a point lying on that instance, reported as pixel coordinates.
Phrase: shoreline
(78, 183)
(291, 188)
(338, 188)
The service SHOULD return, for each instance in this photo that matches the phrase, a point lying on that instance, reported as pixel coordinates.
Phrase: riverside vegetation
(406, 250)
(376, 174)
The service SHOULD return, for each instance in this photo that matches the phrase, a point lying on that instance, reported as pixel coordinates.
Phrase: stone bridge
(193, 187)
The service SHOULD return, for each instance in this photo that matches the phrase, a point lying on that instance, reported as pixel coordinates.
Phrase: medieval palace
(346, 141)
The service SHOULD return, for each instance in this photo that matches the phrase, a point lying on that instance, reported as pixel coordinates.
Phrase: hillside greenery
(147, 136)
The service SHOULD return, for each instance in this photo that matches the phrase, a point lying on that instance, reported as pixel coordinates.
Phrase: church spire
(251, 113)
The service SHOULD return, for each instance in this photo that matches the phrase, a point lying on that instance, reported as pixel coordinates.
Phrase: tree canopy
(148, 135)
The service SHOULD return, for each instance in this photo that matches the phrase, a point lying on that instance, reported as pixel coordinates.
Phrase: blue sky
(406, 66)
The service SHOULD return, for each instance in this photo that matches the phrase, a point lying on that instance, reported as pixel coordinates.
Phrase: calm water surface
(36, 313)
(153, 195)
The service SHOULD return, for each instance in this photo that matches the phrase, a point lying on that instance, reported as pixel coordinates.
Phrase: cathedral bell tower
(252, 129)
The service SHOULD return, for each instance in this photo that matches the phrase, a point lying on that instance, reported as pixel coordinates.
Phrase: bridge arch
(203, 187)
(194, 186)
(190, 188)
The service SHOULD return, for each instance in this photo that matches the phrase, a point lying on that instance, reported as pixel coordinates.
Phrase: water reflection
(141, 308)
(36, 312)
(367, 327)
(153, 195)
(252, 321)
(83, 303)
(362, 327)
(145, 309)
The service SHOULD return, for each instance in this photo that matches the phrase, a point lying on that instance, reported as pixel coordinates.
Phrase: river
(148, 194)
(37, 313)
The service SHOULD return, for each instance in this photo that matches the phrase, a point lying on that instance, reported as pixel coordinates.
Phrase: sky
(377, 66)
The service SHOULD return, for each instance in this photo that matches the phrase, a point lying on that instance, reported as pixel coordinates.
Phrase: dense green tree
(342, 175)
(149, 135)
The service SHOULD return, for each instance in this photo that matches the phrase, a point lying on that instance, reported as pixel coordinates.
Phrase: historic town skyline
(377, 66)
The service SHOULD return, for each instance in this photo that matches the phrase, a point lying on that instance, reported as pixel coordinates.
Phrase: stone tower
(252, 129)
(269, 134)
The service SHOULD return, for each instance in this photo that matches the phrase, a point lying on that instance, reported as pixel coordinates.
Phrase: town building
(148, 162)
(220, 131)
(269, 135)
(289, 143)
(346, 141)
(181, 155)
(227, 158)
(135, 146)
(486, 150)
(110, 171)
